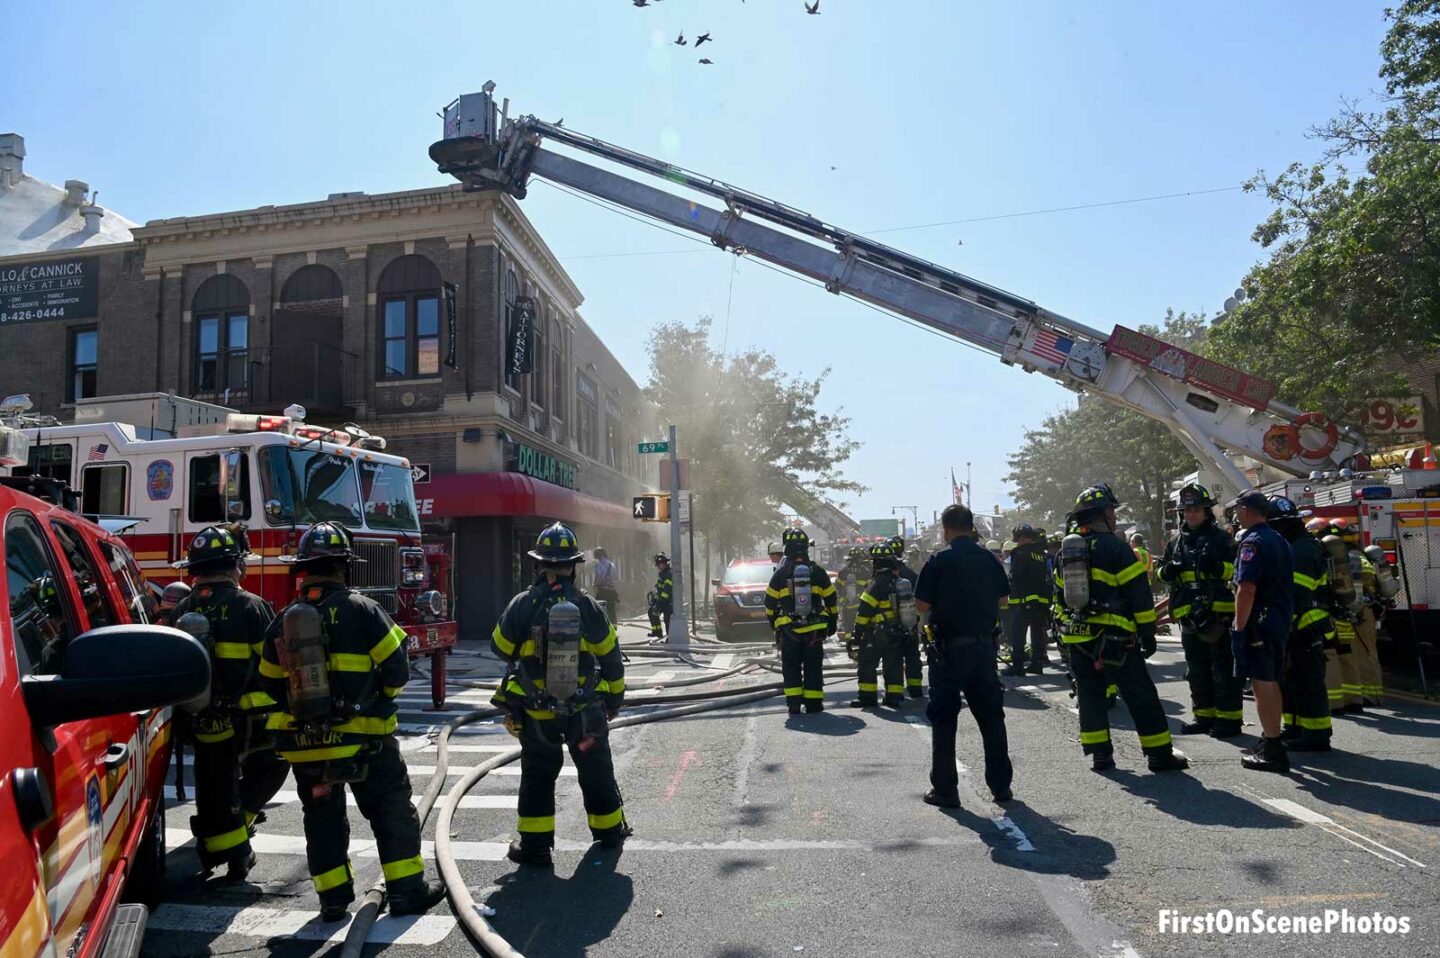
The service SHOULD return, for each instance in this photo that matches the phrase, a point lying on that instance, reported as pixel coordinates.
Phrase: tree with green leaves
(752, 434)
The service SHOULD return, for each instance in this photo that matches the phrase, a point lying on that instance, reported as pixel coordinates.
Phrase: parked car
(85, 685)
(740, 600)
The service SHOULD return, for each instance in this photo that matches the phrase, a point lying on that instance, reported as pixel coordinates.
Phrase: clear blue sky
(929, 111)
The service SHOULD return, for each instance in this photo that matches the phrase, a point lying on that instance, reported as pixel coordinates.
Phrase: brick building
(394, 311)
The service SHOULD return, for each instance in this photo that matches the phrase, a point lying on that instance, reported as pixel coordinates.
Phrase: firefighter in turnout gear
(336, 663)
(880, 633)
(565, 681)
(662, 602)
(800, 602)
(1306, 711)
(1030, 588)
(1367, 623)
(1338, 651)
(852, 581)
(1342, 679)
(1198, 565)
(914, 664)
(236, 770)
(1108, 618)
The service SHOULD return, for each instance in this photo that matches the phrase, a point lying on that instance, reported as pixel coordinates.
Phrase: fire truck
(276, 474)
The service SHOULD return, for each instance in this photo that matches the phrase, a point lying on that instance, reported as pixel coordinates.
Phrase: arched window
(409, 301)
(312, 288)
(221, 311)
(512, 293)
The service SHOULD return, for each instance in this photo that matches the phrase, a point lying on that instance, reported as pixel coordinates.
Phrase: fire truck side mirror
(274, 509)
(231, 463)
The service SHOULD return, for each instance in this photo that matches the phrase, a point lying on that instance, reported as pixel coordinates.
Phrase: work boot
(1197, 727)
(521, 855)
(1002, 797)
(240, 867)
(814, 705)
(1102, 761)
(793, 708)
(862, 704)
(417, 900)
(615, 837)
(941, 800)
(1270, 757)
(1039, 668)
(1171, 761)
(916, 694)
(894, 701)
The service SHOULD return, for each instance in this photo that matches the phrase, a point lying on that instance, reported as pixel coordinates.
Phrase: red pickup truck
(85, 689)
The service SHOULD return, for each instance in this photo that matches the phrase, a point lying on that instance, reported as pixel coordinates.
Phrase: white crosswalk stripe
(256, 921)
(264, 844)
(287, 797)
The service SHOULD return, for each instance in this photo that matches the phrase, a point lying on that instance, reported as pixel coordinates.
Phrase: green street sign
(646, 448)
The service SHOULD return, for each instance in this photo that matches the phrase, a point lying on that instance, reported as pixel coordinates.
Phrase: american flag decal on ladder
(1051, 346)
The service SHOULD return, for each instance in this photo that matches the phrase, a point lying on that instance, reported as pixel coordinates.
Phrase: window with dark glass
(557, 373)
(207, 501)
(587, 415)
(52, 460)
(84, 353)
(221, 310)
(131, 582)
(612, 432)
(37, 613)
(537, 372)
(409, 297)
(99, 607)
(102, 489)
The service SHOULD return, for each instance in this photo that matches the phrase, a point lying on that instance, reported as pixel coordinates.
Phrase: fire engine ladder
(1015, 329)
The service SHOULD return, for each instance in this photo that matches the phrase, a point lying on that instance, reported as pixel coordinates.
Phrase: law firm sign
(58, 289)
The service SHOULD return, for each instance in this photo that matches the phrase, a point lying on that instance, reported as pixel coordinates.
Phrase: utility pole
(914, 515)
(679, 622)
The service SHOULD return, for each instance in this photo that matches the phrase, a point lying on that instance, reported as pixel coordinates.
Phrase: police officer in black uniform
(801, 634)
(1264, 609)
(336, 725)
(1109, 636)
(236, 769)
(1306, 714)
(1198, 565)
(528, 635)
(914, 664)
(879, 635)
(662, 602)
(963, 591)
(1030, 588)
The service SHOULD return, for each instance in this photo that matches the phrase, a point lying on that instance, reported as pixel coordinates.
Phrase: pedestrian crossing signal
(651, 508)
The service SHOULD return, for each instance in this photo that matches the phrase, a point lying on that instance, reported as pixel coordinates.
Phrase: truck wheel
(146, 883)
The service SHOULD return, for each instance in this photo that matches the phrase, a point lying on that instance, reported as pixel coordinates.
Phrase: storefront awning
(463, 495)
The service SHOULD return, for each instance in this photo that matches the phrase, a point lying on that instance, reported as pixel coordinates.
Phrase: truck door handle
(114, 757)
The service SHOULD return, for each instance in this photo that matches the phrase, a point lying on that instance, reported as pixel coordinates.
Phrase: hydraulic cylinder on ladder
(1216, 412)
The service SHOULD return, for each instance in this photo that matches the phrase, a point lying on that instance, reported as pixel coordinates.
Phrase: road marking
(510, 771)
(469, 801)
(1002, 821)
(686, 759)
(265, 844)
(258, 922)
(419, 728)
(1311, 817)
(425, 745)
(778, 845)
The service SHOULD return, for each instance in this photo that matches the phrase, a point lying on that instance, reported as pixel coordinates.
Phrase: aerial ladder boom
(1216, 412)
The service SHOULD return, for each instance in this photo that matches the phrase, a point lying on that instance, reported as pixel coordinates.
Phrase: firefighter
(171, 596)
(879, 632)
(1030, 588)
(1318, 528)
(800, 602)
(1264, 611)
(1305, 714)
(1197, 565)
(565, 680)
(336, 662)
(1109, 628)
(1368, 681)
(914, 665)
(662, 602)
(852, 581)
(236, 770)
(1342, 682)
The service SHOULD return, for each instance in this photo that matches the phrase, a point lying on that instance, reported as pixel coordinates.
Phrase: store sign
(59, 289)
(541, 465)
(520, 345)
(1394, 417)
(1187, 367)
(451, 294)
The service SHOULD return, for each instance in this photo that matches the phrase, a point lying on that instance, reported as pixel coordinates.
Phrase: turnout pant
(660, 616)
(966, 668)
(1306, 707)
(219, 824)
(802, 663)
(1136, 688)
(1351, 685)
(1216, 695)
(1034, 621)
(875, 651)
(914, 665)
(1367, 651)
(542, 754)
(262, 772)
(384, 799)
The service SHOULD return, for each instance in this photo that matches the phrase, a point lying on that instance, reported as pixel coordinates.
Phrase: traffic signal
(651, 508)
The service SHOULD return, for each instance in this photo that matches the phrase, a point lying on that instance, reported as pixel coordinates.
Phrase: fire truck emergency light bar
(349, 435)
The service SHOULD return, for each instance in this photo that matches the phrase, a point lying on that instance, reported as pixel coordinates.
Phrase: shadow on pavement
(1185, 797)
(1360, 782)
(1057, 850)
(541, 913)
(824, 723)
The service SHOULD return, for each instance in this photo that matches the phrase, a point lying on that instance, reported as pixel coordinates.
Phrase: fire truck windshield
(389, 497)
(310, 485)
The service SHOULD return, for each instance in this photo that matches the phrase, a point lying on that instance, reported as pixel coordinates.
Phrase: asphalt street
(763, 834)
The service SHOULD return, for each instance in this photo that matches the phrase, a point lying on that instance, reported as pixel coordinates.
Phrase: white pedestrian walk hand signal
(651, 508)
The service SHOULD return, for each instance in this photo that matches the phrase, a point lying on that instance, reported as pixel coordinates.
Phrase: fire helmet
(557, 545)
(324, 540)
(796, 542)
(897, 545)
(216, 546)
(1195, 494)
(172, 595)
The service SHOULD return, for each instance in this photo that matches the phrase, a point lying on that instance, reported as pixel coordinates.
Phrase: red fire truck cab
(278, 475)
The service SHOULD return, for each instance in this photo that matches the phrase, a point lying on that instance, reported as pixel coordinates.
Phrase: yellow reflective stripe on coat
(777, 593)
(1133, 571)
(824, 591)
(271, 670)
(348, 662)
(232, 650)
(1306, 582)
(386, 647)
(334, 878)
(1144, 616)
(404, 868)
(359, 725)
(506, 647)
(255, 700)
(210, 738)
(1311, 616)
(392, 691)
(613, 686)
(602, 647)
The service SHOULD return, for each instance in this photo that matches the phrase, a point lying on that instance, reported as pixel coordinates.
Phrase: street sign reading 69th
(648, 447)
